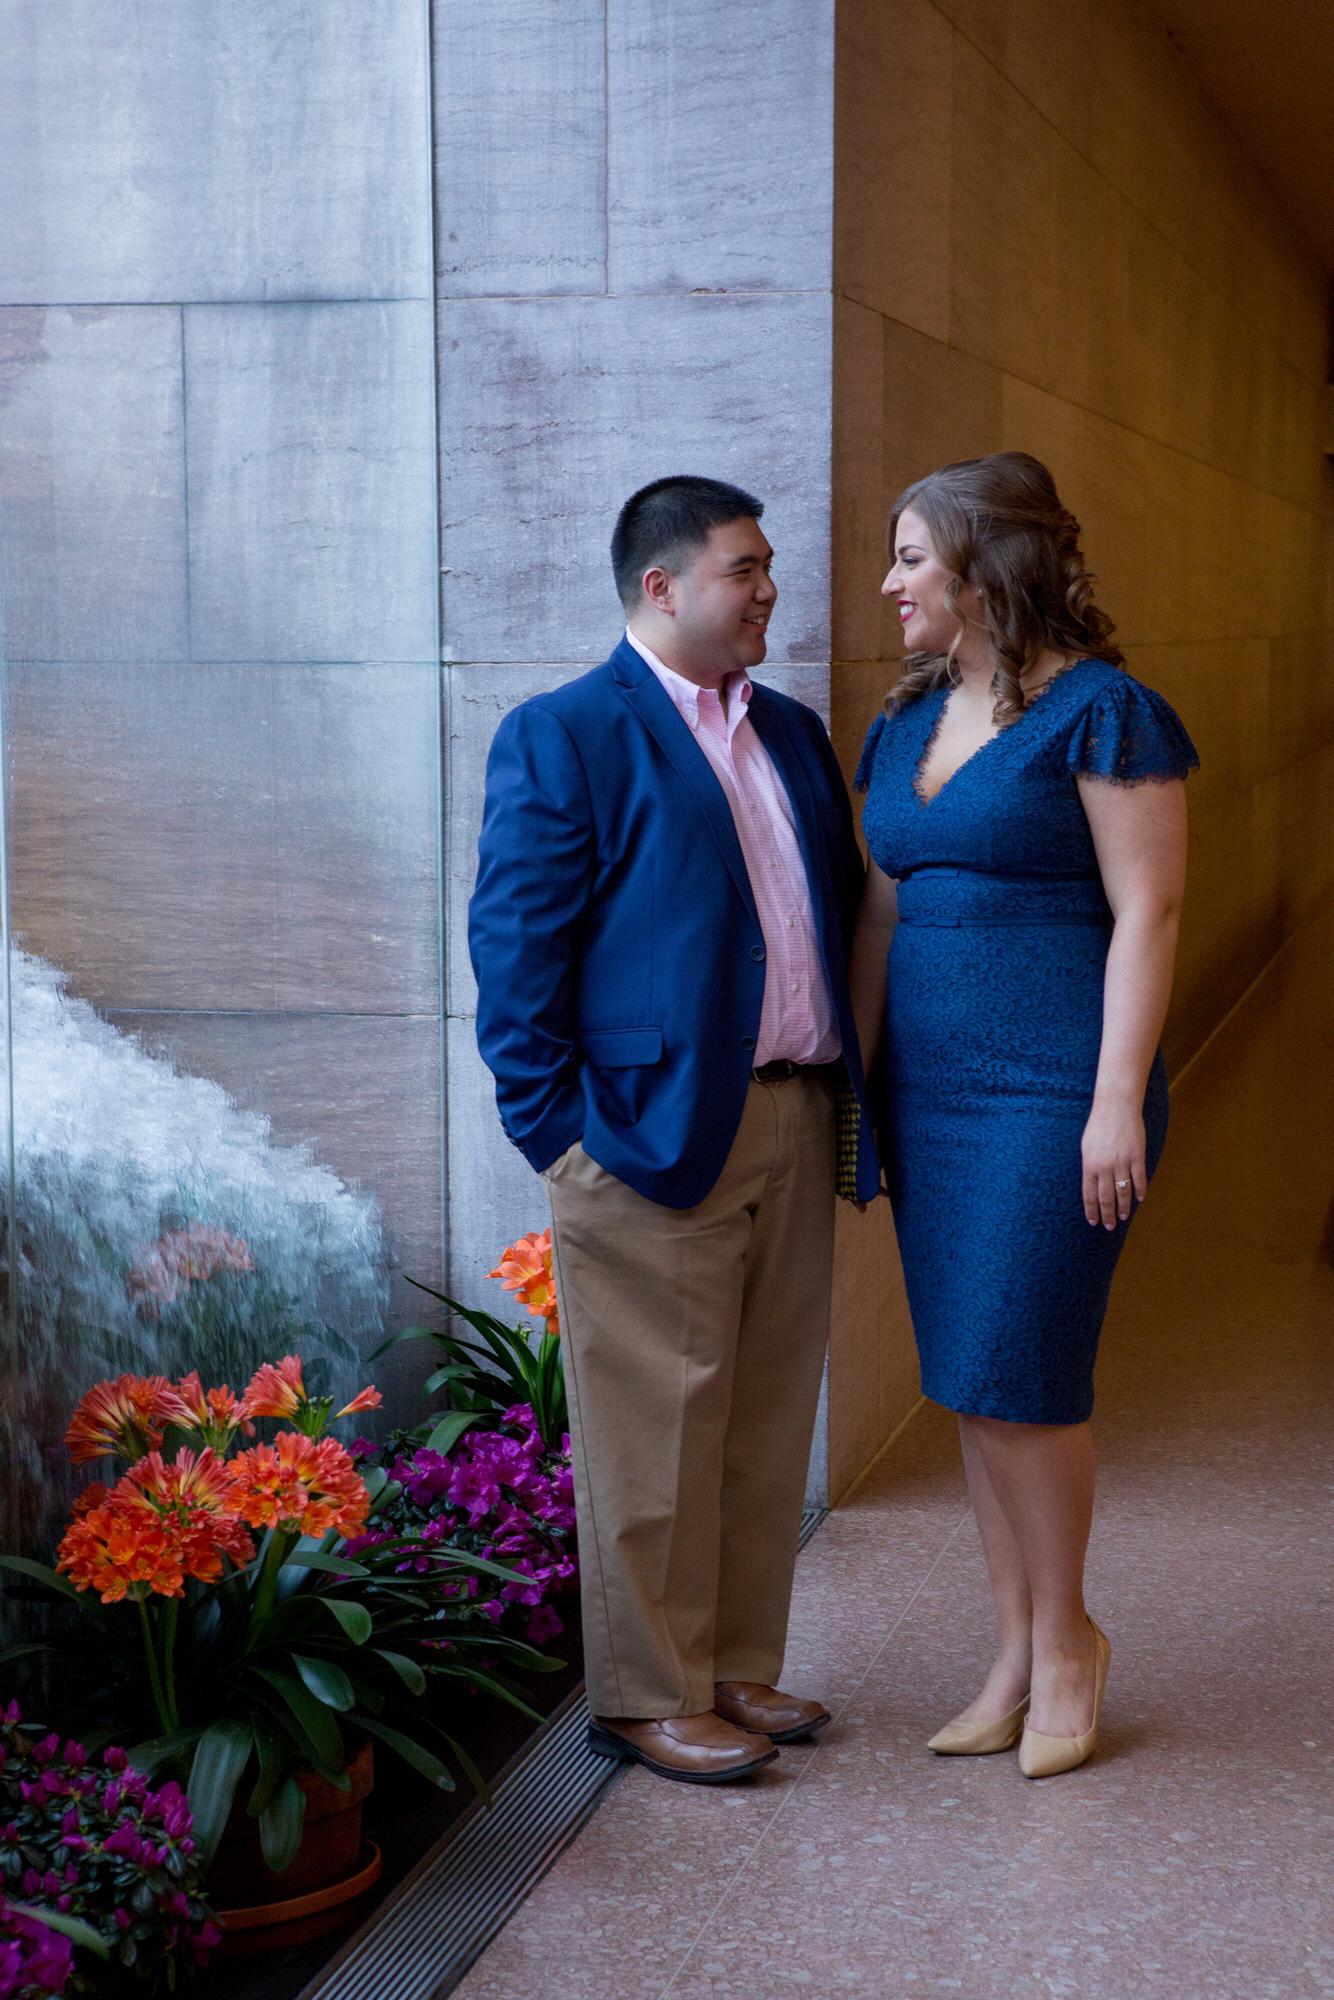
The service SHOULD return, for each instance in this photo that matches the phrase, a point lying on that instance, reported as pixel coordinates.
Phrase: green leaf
(464, 1559)
(74, 1928)
(275, 1762)
(317, 1724)
(409, 1672)
(41, 1573)
(416, 1754)
(453, 1372)
(478, 1677)
(326, 1681)
(331, 1565)
(281, 1825)
(450, 1429)
(408, 1332)
(355, 1619)
(470, 1771)
(151, 1758)
(374, 1478)
(222, 1753)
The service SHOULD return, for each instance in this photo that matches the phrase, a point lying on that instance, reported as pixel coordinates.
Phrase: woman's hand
(1114, 1165)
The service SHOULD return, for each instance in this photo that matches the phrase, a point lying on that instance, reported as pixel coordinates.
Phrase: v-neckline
(924, 803)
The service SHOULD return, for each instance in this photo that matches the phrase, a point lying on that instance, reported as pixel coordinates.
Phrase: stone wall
(1044, 240)
(813, 249)
(219, 556)
(633, 280)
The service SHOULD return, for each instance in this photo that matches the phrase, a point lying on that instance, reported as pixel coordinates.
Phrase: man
(667, 885)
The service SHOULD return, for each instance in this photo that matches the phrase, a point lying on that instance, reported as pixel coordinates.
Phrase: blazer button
(757, 953)
(748, 1041)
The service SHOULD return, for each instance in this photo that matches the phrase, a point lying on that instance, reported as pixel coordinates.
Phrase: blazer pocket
(621, 1048)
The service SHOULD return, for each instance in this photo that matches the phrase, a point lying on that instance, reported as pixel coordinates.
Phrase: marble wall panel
(874, 1380)
(92, 558)
(863, 622)
(475, 700)
(311, 491)
(1004, 167)
(520, 146)
(553, 411)
(858, 689)
(366, 1096)
(229, 149)
(719, 146)
(494, 1195)
(893, 110)
(939, 405)
(228, 836)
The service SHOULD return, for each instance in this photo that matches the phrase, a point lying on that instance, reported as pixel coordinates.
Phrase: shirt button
(757, 953)
(748, 1041)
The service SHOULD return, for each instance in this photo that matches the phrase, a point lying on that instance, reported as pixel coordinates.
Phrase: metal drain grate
(424, 1937)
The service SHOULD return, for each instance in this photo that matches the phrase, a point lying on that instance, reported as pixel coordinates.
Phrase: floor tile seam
(799, 1780)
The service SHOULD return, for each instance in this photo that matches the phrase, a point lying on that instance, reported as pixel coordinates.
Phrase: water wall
(221, 1109)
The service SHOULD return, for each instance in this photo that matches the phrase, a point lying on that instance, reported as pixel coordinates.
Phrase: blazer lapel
(656, 710)
(780, 740)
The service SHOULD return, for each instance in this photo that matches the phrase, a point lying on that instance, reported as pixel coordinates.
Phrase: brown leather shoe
(693, 1749)
(783, 1718)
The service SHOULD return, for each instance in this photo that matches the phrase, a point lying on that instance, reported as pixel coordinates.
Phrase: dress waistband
(951, 897)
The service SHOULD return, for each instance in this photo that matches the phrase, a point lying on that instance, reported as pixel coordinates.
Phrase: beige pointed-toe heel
(980, 1739)
(1042, 1756)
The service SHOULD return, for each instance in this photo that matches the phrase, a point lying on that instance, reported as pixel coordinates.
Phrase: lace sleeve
(866, 762)
(1130, 735)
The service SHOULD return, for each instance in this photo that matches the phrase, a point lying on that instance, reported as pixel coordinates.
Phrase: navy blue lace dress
(993, 1028)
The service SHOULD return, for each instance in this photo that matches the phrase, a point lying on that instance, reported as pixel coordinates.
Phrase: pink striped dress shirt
(797, 1018)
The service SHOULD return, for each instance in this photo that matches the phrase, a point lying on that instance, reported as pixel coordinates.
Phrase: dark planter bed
(406, 1818)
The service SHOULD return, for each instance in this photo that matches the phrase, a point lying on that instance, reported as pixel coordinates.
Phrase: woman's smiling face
(918, 582)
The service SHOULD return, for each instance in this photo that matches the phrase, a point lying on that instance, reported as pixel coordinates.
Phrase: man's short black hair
(668, 521)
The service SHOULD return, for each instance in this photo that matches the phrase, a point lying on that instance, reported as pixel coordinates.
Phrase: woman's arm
(870, 948)
(1139, 833)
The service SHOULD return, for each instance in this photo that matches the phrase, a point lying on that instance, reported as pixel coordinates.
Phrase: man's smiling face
(721, 600)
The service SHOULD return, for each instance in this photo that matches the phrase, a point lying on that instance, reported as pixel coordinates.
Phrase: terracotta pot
(297, 1919)
(329, 1855)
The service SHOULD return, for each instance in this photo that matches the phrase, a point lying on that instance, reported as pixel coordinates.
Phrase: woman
(1022, 1094)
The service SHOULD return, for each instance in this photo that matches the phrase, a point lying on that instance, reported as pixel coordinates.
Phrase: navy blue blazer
(618, 952)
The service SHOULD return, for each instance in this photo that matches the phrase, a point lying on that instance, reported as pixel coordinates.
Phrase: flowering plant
(499, 1493)
(232, 1629)
(113, 1863)
(35, 1959)
(485, 1381)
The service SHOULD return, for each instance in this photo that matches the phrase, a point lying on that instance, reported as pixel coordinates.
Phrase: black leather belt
(781, 1069)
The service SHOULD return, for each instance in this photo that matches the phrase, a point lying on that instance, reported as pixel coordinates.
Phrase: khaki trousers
(694, 1342)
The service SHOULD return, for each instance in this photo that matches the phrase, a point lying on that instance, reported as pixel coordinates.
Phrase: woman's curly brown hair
(998, 523)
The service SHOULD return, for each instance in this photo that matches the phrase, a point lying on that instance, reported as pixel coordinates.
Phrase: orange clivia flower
(194, 1496)
(365, 1399)
(276, 1392)
(525, 1270)
(282, 1392)
(129, 1416)
(300, 1485)
(216, 1414)
(158, 1525)
(121, 1550)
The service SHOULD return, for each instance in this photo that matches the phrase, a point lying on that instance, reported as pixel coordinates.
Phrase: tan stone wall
(1044, 240)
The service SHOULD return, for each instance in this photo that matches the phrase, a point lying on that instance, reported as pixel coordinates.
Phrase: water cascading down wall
(223, 1079)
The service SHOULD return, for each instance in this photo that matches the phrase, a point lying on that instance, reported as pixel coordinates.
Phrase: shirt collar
(734, 694)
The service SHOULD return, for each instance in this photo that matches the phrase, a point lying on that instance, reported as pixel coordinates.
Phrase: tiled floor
(1193, 1858)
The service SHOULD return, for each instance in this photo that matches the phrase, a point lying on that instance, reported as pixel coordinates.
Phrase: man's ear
(656, 584)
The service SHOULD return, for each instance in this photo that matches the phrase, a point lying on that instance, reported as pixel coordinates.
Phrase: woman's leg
(1041, 1477)
(1008, 1682)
